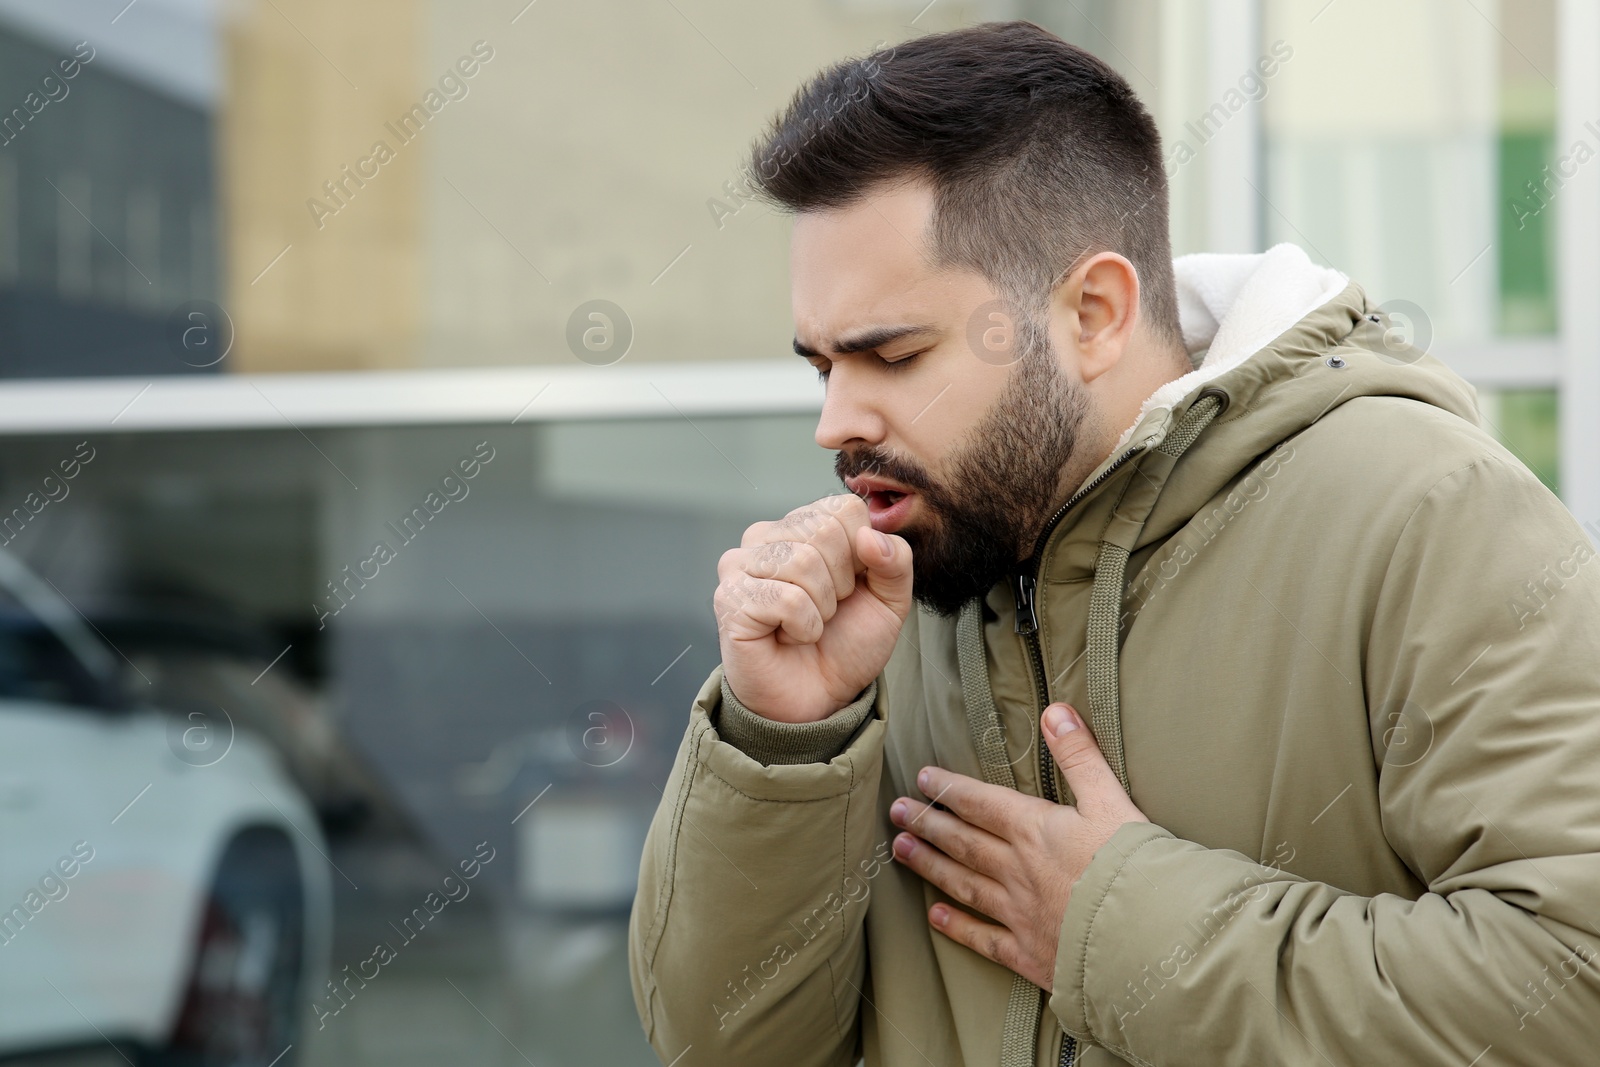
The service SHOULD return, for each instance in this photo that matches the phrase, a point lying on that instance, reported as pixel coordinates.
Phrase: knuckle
(968, 891)
(737, 593)
(833, 502)
(802, 518)
(789, 528)
(984, 900)
(852, 507)
(977, 856)
(768, 560)
(816, 525)
(758, 592)
(755, 534)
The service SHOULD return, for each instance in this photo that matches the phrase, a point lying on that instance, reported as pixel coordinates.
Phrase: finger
(992, 807)
(992, 942)
(786, 561)
(848, 515)
(976, 849)
(955, 880)
(1093, 783)
(749, 608)
(888, 562)
(817, 525)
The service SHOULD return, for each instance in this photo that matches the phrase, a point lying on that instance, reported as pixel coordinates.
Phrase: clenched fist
(809, 608)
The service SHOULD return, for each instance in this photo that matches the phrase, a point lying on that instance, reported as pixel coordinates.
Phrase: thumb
(1089, 776)
(888, 561)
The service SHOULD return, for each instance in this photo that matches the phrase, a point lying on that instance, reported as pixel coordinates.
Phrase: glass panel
(1158, 46)
(1413, 158)
(1525, 421)
(488, 649)
(35, 666)
(1528, 178)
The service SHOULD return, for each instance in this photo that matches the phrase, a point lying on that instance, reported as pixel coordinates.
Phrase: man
(1250, 712)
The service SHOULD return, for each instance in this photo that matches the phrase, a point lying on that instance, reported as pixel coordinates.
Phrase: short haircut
(1038, 153)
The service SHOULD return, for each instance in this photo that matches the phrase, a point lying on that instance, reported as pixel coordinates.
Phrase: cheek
(944, 408)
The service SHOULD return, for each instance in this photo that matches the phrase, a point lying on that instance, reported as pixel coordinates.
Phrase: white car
(164, 886)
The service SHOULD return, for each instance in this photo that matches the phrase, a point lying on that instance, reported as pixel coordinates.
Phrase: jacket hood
(1285, 342)
(1231, 306)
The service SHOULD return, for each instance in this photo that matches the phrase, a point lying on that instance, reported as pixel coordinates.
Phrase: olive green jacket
(1357, 693)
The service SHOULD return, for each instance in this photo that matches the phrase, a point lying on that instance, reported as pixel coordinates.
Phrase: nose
(850, 414)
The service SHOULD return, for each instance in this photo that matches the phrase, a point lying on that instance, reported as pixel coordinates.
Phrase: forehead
(864, 264)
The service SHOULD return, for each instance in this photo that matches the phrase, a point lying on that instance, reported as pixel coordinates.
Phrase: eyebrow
(866, 340)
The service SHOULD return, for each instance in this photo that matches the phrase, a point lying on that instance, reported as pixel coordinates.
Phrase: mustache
(872, 460)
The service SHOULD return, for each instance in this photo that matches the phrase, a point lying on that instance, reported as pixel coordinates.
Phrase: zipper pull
(1027, 620)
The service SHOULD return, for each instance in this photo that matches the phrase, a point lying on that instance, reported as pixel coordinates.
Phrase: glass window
(1525, 421)
(34, 663)
(1409, 157)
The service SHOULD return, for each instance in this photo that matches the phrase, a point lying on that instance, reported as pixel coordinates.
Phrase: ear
(1102, 298)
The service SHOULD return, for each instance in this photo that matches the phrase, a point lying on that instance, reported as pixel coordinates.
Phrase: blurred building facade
(108, 211)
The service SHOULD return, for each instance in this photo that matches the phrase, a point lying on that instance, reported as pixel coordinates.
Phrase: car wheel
(241, 1005)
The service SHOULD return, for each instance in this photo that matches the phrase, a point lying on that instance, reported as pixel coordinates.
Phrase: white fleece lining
(1231, 306)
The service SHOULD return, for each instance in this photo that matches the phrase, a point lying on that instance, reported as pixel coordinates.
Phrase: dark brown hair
(1038, 154)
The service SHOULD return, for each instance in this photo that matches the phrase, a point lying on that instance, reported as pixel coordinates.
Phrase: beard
(1001, 489)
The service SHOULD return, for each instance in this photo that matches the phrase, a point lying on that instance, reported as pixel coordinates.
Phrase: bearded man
(1187, 677)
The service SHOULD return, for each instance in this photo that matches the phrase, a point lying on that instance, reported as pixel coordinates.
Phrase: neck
(1114, 408)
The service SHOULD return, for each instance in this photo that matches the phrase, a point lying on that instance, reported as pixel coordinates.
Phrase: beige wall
(348, 294)
(593, 143)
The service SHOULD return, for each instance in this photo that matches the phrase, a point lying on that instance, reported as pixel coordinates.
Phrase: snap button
(1335, 362)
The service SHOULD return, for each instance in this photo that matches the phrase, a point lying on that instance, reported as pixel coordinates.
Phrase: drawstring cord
(1105, 599)
(1022, 1006)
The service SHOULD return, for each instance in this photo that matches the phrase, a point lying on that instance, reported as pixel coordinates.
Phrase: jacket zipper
(1027, 619)
(1027, 624)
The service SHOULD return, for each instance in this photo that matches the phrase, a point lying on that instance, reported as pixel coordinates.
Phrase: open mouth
(888, 509)
(883, 499)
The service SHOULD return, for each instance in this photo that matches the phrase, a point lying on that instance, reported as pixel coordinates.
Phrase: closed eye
(902, 362)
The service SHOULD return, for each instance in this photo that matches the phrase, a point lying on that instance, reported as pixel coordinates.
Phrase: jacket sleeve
(1485, 632)
(746, 937)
